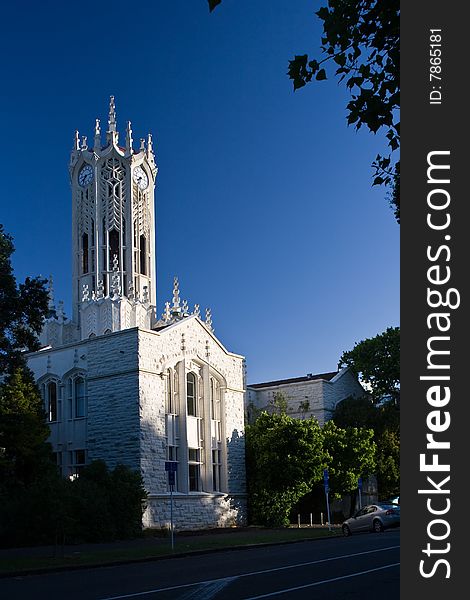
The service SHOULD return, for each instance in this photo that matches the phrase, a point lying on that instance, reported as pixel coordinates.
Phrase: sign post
(327, 489)
(359, 487)
(171, 467)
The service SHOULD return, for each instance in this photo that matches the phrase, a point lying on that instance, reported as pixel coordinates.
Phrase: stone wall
(195, 511)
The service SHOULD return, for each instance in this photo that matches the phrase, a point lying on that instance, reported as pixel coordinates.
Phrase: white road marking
(249, 574)
(208, 591)
(307, 585)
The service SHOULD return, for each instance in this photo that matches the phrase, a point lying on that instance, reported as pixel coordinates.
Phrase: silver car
(373, 517)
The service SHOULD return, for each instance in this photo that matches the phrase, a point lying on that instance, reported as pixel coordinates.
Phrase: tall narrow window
(143, 255)
(216, 469)
(191, 394)
(80, 399)
(113, 246)
(52, 401)
(194, 469)
(85, 253)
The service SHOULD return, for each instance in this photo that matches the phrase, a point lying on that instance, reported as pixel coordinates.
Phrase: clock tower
(113, 231)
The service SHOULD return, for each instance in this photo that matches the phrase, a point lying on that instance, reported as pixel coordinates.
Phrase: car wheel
(346, 531)
(377, 526)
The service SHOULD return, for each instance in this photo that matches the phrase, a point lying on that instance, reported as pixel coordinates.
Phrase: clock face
(85, 177)
(140, 177)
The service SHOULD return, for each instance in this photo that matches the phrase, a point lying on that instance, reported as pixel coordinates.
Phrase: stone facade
(312, 395)
(126, 417)
(121, 385)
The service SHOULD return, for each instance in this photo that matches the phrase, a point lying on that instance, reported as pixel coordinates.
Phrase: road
(358, 567)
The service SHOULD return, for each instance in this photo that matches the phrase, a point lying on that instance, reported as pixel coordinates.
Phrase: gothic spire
(176, 295)
(112, 115)
(129, 138)
(149, 144)
(50, 291)
(112, 134)
(97, 144)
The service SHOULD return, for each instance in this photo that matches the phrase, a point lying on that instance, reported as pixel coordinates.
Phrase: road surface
(358, 567)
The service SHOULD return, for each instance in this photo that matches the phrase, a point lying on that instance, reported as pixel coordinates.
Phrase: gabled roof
(309, 377)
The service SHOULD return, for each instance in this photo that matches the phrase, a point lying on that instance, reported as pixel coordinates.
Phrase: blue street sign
(359, 483)
(171, 466)
(325, 481)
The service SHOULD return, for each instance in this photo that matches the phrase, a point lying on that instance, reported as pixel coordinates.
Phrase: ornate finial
(197, 311)
(112, 115)
(167, 313)
(142, 143)
(145, 294)
(60, 312)
(176, 295)
(149, 144)
(76, 141)
(129, 139)
(209, 319)
(84, 144)
(97, 144)
(50, 292)
(116, 280)
(100, 290)
(185, 308)
(130, 291)
(85, 293)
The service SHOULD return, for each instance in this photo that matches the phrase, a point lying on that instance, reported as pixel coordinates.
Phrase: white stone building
(118, 383)
(312, 395)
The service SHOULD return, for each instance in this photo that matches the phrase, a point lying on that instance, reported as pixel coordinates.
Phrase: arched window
(76, 397)
(191, 400)
(170, 395)
(51, 401)
(215, 399)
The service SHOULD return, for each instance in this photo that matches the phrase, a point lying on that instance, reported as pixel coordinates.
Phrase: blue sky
(265, 209)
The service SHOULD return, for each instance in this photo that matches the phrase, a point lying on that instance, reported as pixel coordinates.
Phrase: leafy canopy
(22, 310)
(377, 361)
(284, 457)
(352, 455)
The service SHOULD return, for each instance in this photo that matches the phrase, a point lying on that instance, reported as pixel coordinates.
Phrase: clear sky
(265, 209)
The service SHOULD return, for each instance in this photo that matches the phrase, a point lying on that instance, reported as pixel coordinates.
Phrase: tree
(22, 311)
(377, 362)
(278, 403)
(351, 454)
(25, 455)
(361, 40)
(23, 429)
(284, 458)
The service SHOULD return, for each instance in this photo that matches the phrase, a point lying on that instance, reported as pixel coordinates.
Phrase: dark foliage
(22, 310)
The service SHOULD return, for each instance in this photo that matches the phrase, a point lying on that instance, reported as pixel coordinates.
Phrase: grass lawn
(150, 547)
